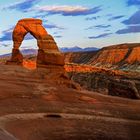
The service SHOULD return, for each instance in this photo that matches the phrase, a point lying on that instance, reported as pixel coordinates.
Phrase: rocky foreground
(42, 104)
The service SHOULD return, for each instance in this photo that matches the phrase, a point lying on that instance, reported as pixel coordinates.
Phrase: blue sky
(83, 23)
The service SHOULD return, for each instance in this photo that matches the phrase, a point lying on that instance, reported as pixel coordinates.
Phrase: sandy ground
(40, 105)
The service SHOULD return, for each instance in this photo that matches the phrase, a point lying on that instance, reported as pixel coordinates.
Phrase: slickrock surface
(42, 104)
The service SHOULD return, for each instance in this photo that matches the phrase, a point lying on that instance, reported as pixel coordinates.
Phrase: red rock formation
(29, 64)
(106, 81)
(16, 58)
(48, 53)
(134, 56)
(111, 56)
(91, 69)
(116, 56)
(123, 88)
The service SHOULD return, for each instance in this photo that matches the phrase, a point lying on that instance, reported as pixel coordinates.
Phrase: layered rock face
(48, 53)
(124, 88)
(122, 56)
(105, 81)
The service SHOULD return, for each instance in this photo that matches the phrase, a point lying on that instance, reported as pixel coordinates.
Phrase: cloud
(133, 2)
(107, 30)
(134, 19)
(67, 10)
(116, 17)
(42, 16)
(100, 36)
(90, 28)
(52, 26)
(55, 33)
(93, 18)
(4, 45)
(58, 36)
(22, 6)
(129, 29)
(102, 26)
(7, 35)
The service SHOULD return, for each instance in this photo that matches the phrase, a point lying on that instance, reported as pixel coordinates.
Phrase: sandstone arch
(48, 52)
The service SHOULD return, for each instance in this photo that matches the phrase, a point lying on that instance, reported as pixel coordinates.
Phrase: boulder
(123, 88)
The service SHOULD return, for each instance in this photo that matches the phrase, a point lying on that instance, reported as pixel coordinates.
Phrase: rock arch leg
(18, 36)
(48, 53)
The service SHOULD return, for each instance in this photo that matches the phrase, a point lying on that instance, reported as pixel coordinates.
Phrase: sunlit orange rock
(92, 69)
(120, 56)
(111, 55)
(29, 64)
(134, 56)
(48, 53)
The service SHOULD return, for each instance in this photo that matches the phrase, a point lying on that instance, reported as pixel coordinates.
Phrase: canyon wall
(123, 56)
(105, 81)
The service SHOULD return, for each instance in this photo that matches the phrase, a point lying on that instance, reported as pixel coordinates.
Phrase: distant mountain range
(78, 49)
(29, 51)
(24, 52)
(65, 49)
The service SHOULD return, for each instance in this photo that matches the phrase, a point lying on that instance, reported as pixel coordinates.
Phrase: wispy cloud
(4, 45)
(7, 34)
(58, 36)
(67, 10)
(42, 16)
(129, 29)
(116, 17)
(134, 19)
(56, 33)
(53, 26)
(102, 26)
(93, 18)
(133, 2)
(90, 28)
(100, 36)
(107, 30)
(22, 6)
